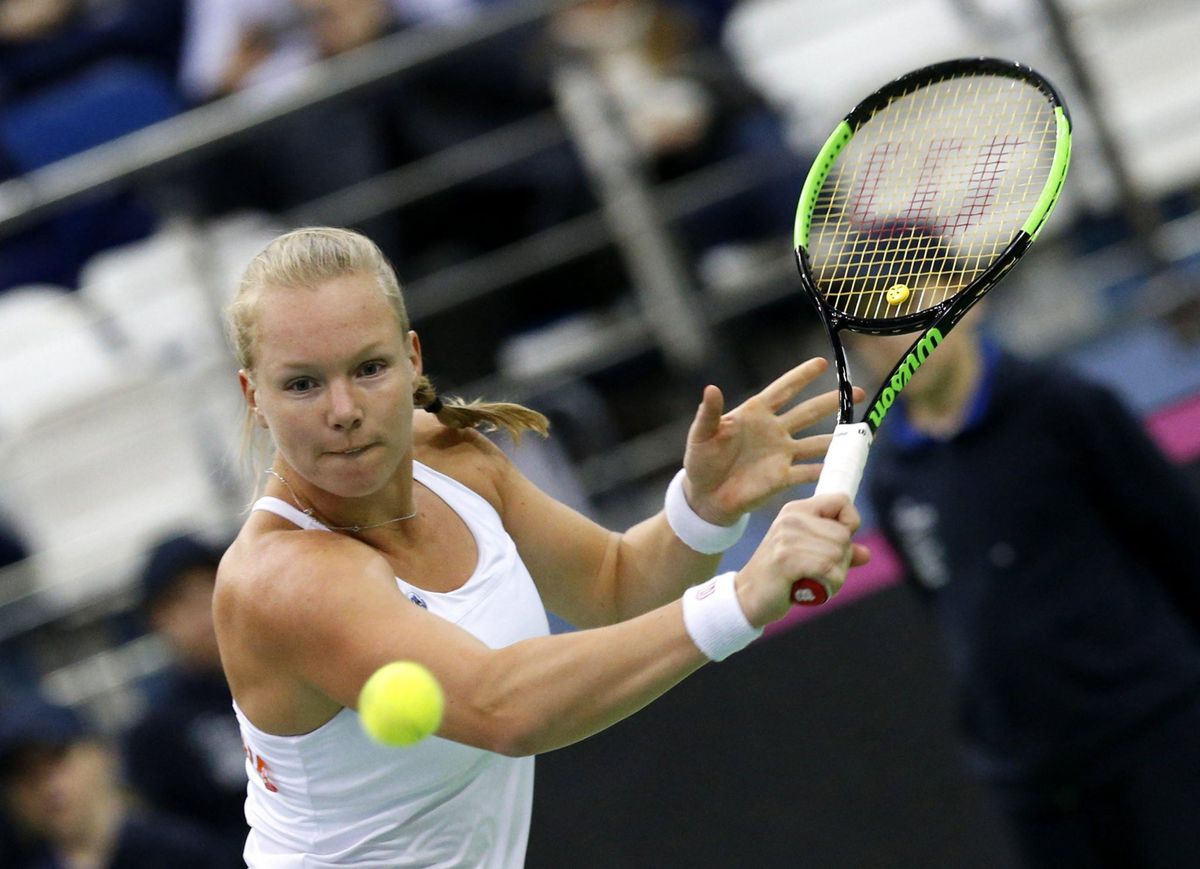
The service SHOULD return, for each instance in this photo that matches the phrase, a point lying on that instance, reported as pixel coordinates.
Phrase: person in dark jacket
(1057, 550)
(184, 755)
(63, 798)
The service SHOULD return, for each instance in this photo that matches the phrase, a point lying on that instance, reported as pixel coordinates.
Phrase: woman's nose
(345, 410)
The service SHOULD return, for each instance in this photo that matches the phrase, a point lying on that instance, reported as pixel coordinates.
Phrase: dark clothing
(13, 547)
(103, 73)
(185, 758)
(1142, 816)
(14, 851)
(1056, 548)
(148, 32)
(152, 842)
(29, 723)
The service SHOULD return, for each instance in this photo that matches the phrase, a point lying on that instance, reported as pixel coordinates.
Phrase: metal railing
(182, 140)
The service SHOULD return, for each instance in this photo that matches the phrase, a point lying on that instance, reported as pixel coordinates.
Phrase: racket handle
(842, 474)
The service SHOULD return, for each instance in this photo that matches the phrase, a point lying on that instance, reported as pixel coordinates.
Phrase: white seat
(164, 296)
(51, 353)
(94, 484)
(796, 52)
(232, 241)
(1139, 55)
(154, 296)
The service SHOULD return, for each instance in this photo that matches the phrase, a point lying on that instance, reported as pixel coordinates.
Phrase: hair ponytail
(516, 419)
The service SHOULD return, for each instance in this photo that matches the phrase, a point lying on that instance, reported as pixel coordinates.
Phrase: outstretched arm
(326, 614)
(734, 462)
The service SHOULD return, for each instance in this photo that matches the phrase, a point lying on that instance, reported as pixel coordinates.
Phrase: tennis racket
(921, 200)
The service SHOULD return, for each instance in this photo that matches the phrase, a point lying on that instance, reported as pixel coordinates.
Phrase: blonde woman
(391, 528)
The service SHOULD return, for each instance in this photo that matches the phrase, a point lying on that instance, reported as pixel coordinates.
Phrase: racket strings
(929, 193)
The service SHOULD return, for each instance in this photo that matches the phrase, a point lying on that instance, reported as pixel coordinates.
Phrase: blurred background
(590, 206)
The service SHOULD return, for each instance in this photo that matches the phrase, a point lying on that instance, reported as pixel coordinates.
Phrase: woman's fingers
(788, 386)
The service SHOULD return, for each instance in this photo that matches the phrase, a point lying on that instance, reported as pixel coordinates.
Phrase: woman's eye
(300, 384)
(369, 369)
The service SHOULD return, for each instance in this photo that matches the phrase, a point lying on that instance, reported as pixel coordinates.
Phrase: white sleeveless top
(333, 797)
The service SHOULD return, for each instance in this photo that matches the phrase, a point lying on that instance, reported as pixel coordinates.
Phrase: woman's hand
(736, 461)
(808, 539)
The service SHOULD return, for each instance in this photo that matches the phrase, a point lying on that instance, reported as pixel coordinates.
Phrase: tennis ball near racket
(897, 295)
(401, 704)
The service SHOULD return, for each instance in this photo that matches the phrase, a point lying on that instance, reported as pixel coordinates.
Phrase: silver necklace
(309, 511)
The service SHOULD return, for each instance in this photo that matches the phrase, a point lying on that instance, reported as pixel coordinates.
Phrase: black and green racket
(921, 200)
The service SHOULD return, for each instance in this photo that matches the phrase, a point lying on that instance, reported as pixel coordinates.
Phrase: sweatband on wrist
(714, 618)
(699, 534)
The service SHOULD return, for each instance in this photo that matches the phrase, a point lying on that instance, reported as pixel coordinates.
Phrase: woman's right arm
(332, 632)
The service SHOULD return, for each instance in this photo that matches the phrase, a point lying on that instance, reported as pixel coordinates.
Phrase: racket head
(927, 192)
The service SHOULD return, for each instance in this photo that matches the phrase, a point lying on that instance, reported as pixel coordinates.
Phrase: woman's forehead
(339, 312)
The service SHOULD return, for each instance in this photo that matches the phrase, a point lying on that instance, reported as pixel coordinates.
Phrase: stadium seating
(92, 482)
(53, 354)
(163, 296)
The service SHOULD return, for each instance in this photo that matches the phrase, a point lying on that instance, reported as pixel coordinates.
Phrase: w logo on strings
(931, 174)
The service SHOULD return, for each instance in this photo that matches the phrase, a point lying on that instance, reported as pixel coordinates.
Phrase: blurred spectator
(326, 148)
(232, 46)
(687, 106)
(235, 44)
(74, 75)
(1055, 548)
(185, 756)
(22, 20)
(78, 74)
(62, 795)
(44, 43)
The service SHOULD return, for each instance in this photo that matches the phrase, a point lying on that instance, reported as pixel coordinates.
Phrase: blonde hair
(307, 257)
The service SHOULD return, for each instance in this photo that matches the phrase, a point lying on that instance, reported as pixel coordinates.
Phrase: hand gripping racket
(921, 200)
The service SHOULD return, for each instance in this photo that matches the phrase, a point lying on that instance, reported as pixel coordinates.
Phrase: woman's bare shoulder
(466, 455)
(274, 572)
(297, 612)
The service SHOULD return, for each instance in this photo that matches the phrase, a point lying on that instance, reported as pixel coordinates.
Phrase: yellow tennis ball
(897, 294)
(401, 703)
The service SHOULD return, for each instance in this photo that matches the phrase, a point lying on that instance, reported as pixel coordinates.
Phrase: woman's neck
(345, 514)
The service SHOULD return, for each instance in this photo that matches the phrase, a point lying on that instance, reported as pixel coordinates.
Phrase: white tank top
(333, 797)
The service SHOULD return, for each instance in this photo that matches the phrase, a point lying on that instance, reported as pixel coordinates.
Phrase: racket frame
(846, 459)
(937, 320)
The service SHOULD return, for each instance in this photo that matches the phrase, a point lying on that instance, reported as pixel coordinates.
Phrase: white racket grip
(845, 460)
(842, 473)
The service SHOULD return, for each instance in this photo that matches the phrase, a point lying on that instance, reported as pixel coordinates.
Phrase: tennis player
(391, 528)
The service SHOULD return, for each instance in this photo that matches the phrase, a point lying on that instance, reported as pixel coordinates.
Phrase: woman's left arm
(734, 462)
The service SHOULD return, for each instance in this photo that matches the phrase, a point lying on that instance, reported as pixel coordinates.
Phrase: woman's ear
(414, 353)
(249, 393)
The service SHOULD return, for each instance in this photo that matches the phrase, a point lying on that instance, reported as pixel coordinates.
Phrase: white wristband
(697, 533)
(714, 618)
